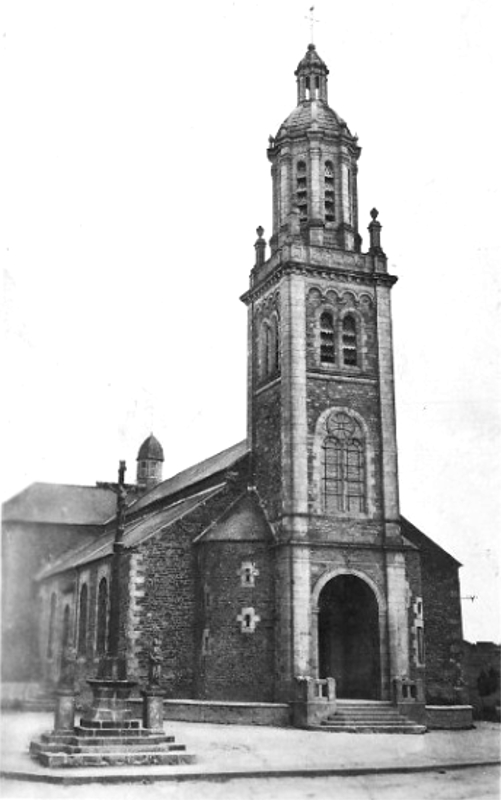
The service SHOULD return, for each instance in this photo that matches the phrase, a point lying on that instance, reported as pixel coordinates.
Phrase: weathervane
(312, 21)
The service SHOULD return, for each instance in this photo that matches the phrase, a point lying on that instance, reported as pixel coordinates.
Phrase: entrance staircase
(368, 716)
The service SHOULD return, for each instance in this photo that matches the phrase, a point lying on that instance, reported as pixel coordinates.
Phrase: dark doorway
(348, 638)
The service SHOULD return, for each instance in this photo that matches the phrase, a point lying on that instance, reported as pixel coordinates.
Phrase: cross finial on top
(312, 21)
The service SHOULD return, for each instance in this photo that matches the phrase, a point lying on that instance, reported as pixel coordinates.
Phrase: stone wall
(442, 616)
(481, 673)
(268, 448)
(236, 661)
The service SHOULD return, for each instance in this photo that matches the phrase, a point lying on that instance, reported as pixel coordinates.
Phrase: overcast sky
(134, 175)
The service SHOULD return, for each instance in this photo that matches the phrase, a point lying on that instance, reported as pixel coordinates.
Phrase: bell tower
(314, 166)
(321, 416)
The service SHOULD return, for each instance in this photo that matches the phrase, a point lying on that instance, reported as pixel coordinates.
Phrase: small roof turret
(150, 450)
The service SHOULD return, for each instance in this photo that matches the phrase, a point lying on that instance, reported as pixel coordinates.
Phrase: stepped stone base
(100, 744)
(374, 717)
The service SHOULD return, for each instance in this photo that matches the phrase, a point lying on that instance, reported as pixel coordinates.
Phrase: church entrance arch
(348, 637)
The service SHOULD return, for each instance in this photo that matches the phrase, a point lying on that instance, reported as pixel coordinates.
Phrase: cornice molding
(310, 270)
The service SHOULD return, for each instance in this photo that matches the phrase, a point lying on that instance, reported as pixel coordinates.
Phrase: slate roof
(150, 449)
(312, 113)
(191, 476)
(61, 504)
(136, 532)
(423, 542)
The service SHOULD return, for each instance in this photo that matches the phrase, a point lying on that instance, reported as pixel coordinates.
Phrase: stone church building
(287, 554)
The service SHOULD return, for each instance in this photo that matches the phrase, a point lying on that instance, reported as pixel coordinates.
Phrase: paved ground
(292, 754)
(468, 784)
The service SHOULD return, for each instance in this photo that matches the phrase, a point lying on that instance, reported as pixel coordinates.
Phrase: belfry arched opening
(348, 637)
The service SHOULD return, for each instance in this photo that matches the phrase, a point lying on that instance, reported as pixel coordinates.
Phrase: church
(286, 556)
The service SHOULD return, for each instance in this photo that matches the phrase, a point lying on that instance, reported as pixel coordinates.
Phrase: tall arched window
(344, 466)
(350, 355)
(102, 616)
(52, 624)
(265, 345)
(269, 349)
(327, 346)
(82, 621)
(302, 191)
(329, 192)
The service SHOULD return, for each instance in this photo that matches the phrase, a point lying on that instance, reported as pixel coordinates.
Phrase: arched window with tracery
(350, 343)
(52, 625)
(344, 465)
(327, 343)
(102, 616)
(82, 621)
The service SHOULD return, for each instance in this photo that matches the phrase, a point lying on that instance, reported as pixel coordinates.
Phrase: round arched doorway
(348, 637)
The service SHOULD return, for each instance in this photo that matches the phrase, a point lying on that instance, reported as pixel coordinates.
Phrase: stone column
(293, 559)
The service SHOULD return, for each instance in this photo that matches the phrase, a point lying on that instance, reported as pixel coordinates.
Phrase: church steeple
(314, 168)
(321, 393)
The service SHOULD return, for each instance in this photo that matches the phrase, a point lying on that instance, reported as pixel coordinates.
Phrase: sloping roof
(191, 476)
(417, 537)
(244, 521)
(135, 533)
(61, 504)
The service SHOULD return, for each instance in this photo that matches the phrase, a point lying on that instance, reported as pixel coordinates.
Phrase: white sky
(134, 175)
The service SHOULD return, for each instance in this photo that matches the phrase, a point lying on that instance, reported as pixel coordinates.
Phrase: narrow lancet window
(302, 191)
(329, 201)
(327, 346)
(350, 354)
(276, 347)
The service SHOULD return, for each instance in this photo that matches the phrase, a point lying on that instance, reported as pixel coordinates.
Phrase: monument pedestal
(107, 734)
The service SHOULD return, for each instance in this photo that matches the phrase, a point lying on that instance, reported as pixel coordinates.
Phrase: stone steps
(139, 747)
(103, 743)
(115, 759)
(98, 741)
(370, 717)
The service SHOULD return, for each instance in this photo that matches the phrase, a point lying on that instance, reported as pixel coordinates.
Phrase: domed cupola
(314, 167)
(311, 77)
(149, 462)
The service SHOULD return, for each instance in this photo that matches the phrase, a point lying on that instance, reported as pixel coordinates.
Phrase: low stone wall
(449, 717)
(226, 713)
(15, 694)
